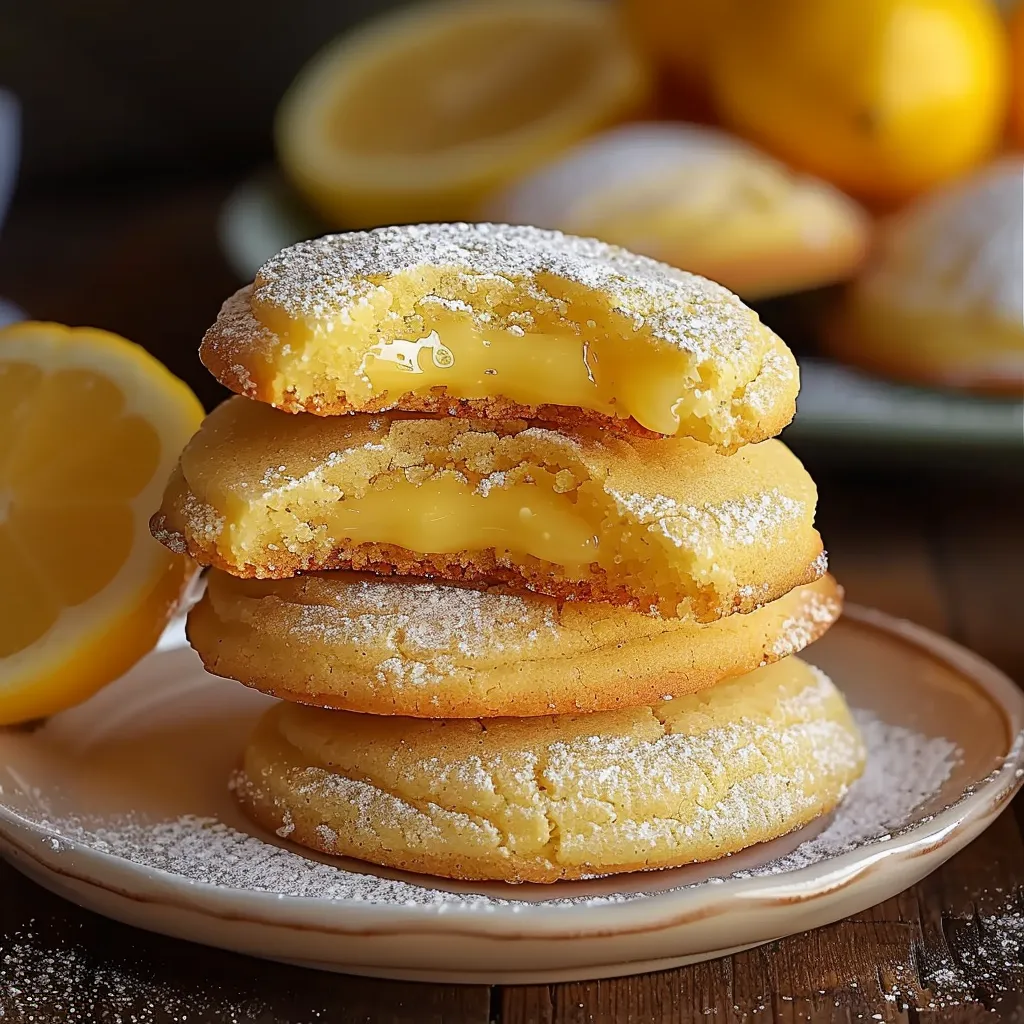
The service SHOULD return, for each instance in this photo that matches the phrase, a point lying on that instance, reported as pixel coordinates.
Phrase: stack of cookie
(497, 514)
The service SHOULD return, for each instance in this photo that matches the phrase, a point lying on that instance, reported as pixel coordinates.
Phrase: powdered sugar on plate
(905, 769)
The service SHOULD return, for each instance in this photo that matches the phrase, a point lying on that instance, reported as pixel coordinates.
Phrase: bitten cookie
(570, 796)
(667, 524)
(502, 322)
(396, 646)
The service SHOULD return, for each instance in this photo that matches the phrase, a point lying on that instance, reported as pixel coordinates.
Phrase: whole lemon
(1016, 27)
(885, 98)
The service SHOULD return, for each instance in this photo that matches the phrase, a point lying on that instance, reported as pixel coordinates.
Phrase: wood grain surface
(943, 548)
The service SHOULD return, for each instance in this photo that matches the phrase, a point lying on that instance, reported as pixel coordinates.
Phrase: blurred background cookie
(942, 299)
(696, 198)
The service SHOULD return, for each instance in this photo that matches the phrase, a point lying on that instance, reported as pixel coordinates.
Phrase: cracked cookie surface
(565, 796)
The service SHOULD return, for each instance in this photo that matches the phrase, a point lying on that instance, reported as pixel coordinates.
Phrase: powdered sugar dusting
(49, 975)
(736, 521)
(326, 279)
(427, 627)
(903, 769)
(798, 631)
(881, 801)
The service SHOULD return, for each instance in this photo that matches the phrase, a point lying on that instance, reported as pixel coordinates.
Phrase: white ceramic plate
(122, 806)
(862, 414)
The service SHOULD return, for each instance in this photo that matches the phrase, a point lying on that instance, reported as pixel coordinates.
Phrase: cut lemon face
(419, 114)
(90, 427)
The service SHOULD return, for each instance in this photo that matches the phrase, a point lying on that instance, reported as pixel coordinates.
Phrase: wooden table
(945, 549)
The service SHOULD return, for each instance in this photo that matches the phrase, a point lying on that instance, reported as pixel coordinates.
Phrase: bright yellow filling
(656, 384)
(572, 527)
(443, 516)
(554, 369)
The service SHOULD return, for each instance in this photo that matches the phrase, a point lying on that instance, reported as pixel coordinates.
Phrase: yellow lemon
(420, 113)
(885, 98)
(90, 427)
(1016, 27)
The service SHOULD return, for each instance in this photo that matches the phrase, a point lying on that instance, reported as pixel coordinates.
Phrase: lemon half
(419, 114)
(90, 427)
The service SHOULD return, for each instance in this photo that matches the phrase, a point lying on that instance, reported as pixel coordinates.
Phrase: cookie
(566, 796)
(667, 524)
(395, 646)
(485, 320)
(942, 300)
(697, 198)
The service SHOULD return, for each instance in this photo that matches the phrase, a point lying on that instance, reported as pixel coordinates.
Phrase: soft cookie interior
(667, 525)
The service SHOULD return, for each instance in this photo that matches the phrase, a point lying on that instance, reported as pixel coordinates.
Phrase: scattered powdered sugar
(881, 800)
(984, 952)
(761, 395)
(495, 479)
(287, 827)
(59, 977)
(904, 769)
(798, 631)
(975, 959)
(204, 520)
(747, 520)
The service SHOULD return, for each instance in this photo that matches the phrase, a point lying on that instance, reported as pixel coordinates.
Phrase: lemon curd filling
(653, 523)
(576, 529)
(443, 515)
(550, 369)
(657, 384)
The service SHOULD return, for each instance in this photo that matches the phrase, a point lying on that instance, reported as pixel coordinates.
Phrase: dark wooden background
(941, 544)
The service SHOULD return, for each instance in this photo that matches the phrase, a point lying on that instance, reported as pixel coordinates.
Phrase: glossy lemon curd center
(601, 373)
(447, 513)
(444, 515)
(656, 384)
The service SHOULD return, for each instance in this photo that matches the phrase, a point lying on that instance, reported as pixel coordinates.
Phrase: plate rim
(51, 853)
